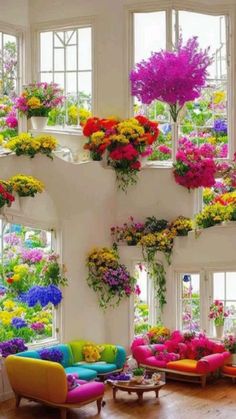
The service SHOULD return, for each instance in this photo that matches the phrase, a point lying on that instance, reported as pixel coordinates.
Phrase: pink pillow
(72, 381)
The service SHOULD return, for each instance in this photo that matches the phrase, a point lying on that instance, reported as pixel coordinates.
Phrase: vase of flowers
(138, 375)
(37, 100)
(218, 314)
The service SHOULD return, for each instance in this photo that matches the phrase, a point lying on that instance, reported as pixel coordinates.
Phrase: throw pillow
(51, 354)
(72, 381)
(92, 353)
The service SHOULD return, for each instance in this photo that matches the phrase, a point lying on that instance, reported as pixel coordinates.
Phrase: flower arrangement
(174, 77)
(42, 295)
(212, 215)
(108, 278)
(158, 334)
(192, 168)
(230, 343)
(51, 354)
(27, 145)
(6, 198)
(217, 313)
(182, 226)
(26, 185)
(129, 233)
(38, 99)
(12, 347)
(125, 143)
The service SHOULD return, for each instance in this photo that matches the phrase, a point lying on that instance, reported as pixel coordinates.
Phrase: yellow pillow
(92, 353)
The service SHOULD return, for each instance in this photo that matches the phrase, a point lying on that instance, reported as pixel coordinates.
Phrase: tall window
(197, 291)
(9, 77)
(145, 306)
(26, 262)
(204, 120)
(66, 59)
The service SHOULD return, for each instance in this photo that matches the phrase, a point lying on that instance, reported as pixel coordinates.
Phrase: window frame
(58, 333)
(67, 24)
(206, 291)
(168, 6)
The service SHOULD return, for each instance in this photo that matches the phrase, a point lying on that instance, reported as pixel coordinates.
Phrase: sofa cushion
(228, 369)
(29, 354)
(85, 392)
(83, 373)
(109, 353)
(153, 362)
(184, 365)
(142, 352)
(100, 367)
(120, 357)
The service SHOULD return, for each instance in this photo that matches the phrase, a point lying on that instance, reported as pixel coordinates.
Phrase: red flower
(10, 280)
(136, 165)
(126, 152)
(142, 119)
(92, 125)
(107, 124)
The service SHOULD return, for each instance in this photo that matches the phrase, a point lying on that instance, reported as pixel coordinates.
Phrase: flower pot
(232, 359)
(39, 122)
(144, 161)
(219, 331)
(138, 379)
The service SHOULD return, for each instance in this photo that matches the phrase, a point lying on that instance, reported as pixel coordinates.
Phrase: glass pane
(71, 58)
(149, 34)
(230, 285)
(59, 79)
(218, 286)
(85, 49)
(230, 321)
(71, 83)
(141, 306)
(85, 82)
(190, 301)
(46, 77)
(59, 59)
(70, 37)
(59, 39)
(46, 51)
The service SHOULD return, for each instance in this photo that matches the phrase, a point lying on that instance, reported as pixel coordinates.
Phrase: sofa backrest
(42, 380)
(76, 347)
(65, 349)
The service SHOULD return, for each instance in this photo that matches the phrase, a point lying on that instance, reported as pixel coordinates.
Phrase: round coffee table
(139, 389)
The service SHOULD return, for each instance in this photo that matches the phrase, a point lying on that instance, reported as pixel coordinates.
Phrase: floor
(176, 401)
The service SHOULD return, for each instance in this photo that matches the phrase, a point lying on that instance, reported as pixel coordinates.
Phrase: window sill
(59, 130)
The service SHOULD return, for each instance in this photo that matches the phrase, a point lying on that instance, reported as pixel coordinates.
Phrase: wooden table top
(130, 386)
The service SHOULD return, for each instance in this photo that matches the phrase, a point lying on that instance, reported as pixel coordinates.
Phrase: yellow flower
(119, 139)
(97, 137)
(34, 103)
(218, 97)
(16, 277)
(9, 304)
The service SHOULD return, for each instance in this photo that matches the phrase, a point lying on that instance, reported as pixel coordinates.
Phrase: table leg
(114, 390)
(140, 396)
(157, 393)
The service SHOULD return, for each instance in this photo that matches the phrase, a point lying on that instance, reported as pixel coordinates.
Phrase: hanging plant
(108, 278)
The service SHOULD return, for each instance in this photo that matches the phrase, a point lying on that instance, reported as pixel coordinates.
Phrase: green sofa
(112, 359)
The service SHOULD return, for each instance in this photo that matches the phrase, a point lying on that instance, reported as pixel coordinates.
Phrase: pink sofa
(181, 358)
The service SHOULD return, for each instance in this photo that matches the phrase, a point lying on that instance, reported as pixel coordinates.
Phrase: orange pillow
(183, 365)
(228, 369)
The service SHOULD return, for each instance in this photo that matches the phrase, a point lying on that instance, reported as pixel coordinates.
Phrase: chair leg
(203, 381)
(99, 405)
(18, 399)
(63, 411)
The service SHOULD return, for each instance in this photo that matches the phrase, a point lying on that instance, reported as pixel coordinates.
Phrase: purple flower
(220, 126)
(12, 346)
(174, 77)
(12, 239)
(37, 327)
(32, 255)
(51, 354)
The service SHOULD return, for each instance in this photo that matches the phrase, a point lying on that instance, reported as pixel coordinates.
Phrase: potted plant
(138, 375)
(230, 345)
(37, 100)
(218, 314)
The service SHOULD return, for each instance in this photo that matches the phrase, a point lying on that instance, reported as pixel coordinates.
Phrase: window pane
(59, 39)
(46, 77)
(230, 285)
(46, 51)
(84, 48)
(71, 83)
(85, 82)
(71, 58)
(141, 306)
(149, 34)
(190, 301)
(59, 62)
(218, 286)
(59, 78)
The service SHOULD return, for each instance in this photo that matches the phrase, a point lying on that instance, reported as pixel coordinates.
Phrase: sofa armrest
(140, 353)
(211, 362)
(120, 356)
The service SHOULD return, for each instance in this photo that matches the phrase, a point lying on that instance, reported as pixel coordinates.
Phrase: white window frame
(191, 6)
(67, 24)
(58, 333)
(206, 291)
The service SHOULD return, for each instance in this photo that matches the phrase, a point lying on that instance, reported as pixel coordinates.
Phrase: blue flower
(220, 125)
(18, 322)
(42, 295)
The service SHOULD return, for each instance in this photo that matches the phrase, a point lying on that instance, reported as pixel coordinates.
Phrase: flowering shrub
(125, 143)
(217, 313)
(38, 99)
(25, 144)
(12, 347)
(230, 343)
(212, 215)
(51, 354)
(193, 167)
(26, 185)
(182, 226)
(108, 278)
(174, 77)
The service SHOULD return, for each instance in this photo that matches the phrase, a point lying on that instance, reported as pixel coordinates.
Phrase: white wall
(14, 12)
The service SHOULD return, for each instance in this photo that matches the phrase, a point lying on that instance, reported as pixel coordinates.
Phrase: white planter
(143, 161)
(219, 331)
(39, 122)
(75, 143)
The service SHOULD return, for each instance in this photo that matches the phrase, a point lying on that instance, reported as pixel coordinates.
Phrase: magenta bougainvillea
(174, 77)
(194, 165)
